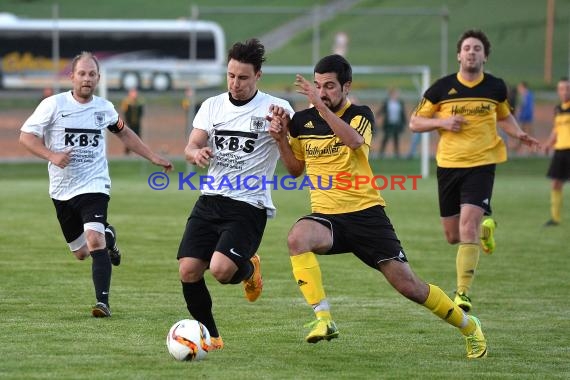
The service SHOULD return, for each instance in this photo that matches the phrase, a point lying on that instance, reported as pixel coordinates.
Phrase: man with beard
(332, 139)
(464, 109)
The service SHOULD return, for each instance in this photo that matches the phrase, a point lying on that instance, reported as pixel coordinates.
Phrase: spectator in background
(47, 92)
(340, 45)
(132, 107)
(414, 142)
(190, 107)
(512, 96)
(525, 114)
(393, 114)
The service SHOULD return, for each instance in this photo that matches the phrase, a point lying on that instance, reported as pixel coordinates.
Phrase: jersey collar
(239, 103)
(470, 84)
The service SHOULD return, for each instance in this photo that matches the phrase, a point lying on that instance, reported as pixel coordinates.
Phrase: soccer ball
(188, 340)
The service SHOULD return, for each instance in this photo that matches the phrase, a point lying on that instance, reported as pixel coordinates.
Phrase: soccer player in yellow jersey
(331, 142)
(464, 108)
(559, 170)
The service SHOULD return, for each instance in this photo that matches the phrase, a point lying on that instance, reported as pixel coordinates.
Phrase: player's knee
(187, 273)
(296, 242)
(452, 238)
(292, 243)
(95, 236)
(222, 274)
(222, 277)
(81, 254)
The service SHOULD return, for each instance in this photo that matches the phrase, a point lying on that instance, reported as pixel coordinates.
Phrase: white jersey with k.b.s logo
(65, 124)
(245, 154)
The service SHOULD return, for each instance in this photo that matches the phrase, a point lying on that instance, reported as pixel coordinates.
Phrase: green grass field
(520, 294)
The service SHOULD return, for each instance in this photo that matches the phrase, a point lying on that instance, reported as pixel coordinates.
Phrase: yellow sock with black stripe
(466, 264)
(307, 273)
(441, 305)
(556, 205)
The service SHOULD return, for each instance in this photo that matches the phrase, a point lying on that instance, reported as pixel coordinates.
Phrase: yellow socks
(307, 273)
(323, 314)
(466, 264)
(442, 306)
(556, 205)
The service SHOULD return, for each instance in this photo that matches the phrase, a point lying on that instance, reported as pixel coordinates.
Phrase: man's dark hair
(250, 51)
(335, 64)
(478, 34)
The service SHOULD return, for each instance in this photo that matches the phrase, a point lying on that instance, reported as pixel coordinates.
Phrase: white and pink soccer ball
(188, 340)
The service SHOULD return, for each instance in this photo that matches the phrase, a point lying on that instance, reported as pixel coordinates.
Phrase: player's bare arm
(512, 128)
(197, 151)
(36, 146)
(132, 141)
(549, 144)
(158, 160)
(428, 124)
(279, 128)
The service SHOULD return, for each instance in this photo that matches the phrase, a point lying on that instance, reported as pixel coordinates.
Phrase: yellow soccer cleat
(254, 285)
(216, 343)
(487, 235)
(476, 342)
(463, 301)
(323, 328)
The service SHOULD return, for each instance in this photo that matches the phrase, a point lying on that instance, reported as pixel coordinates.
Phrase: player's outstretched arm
(132, 141)
(512, 128)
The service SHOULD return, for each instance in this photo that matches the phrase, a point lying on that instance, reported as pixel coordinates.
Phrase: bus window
(153, 54)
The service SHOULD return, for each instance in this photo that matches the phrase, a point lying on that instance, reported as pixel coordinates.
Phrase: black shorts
(367, 233)
(459, 186)
(222, 224)
(560, 165)
(75, 212)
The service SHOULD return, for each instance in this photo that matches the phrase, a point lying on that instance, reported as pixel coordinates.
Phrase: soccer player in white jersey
(67, 130)
(231, 136)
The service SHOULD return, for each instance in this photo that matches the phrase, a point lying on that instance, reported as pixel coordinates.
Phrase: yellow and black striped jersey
(562, 126)
(331, 166)
(481, 103)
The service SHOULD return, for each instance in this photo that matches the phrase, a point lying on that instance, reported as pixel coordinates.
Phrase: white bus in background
(146, 54)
